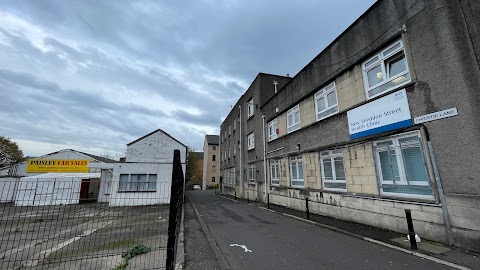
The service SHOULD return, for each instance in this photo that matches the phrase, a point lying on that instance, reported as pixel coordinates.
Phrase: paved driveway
(81, 236)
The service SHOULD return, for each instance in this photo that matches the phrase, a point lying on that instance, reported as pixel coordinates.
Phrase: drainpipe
(240, 150)
(264, 157)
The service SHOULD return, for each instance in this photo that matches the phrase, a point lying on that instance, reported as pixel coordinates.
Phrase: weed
(136, 250)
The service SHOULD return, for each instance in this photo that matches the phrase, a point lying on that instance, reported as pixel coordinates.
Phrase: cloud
(97, 75)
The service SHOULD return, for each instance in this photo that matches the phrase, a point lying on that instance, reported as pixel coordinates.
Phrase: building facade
(385, 119)
(211, 161)
(145, 177)
(241, 147)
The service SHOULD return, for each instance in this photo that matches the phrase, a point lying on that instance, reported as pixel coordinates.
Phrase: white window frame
(126, 186)
(250, 141)
(401, 165)
(229, 152)
(323, 94)
(331, 155)
(291, 127)
(251, 174)
(272, 130)
(382, 59)
(235, 124)
(294, 161)
(250, 108)
(234, 149)
(275, 172)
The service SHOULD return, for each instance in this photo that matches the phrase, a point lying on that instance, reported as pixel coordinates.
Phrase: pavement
(249, 236)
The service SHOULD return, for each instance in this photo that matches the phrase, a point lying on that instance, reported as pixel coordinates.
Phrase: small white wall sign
(436, 116)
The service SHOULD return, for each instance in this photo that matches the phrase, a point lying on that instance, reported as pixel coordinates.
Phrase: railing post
(268, 201)
(235, 195)
(411, 231)
(306, 207)
(248, 199)
(175, 215)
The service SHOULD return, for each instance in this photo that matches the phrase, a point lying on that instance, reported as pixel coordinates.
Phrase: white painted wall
(157, 147)
(160, 196)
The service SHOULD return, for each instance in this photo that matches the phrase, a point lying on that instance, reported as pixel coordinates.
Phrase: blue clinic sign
(385, 114)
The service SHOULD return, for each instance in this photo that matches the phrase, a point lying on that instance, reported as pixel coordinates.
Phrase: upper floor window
(333, 171)
(234, 149)
(213, 157)
(250, 141)
(401, 166)
(235, 124)
(293, 119)
(275, 172)
(213, 168)
(272, 130)
(229, 130)
(296, 171)
(386, 71)
(250, 108)
(214, 147)
(326, 102)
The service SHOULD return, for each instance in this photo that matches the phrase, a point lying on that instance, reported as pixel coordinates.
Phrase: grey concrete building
(385, 119)
(241, 143)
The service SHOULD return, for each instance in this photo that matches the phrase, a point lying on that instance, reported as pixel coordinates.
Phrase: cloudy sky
(94, 75)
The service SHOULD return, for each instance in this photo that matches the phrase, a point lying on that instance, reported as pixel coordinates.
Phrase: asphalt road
(279, 242)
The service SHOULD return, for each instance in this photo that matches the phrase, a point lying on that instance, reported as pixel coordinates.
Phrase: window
(213, 179)
(272, 130)
(386, 70)
(229, 178)
(401, 166)
(275, 172)
(137, 182)
(251, 173)
(234, 149)
(229, 152)
(214, 147)
(296, 171)
(213, 168)
(293, 119)
(333, 171)
(213, 157)
(251, 141)
(234, 124)
(326, 102)
(225, 134)
(250, 108)
(229, 130)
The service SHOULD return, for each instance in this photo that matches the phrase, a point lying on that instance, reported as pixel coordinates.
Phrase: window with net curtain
(401, 166)
(137, 182)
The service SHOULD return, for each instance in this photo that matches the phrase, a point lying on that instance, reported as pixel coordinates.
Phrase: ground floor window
(275, 172)
(137, 182)
(213, 179)
(401, 166)
(296, 171)
(251, 173)
(333, 171)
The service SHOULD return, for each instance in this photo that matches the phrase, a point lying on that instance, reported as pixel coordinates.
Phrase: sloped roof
(212, 139)
(153, 132)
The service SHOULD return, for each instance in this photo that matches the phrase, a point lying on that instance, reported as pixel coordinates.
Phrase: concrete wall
(157, 147)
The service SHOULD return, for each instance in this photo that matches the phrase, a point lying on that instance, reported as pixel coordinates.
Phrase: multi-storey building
(241, 147)
(211, 161)
(385, 119)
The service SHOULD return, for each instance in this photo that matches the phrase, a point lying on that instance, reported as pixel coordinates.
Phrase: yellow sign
(57, 165)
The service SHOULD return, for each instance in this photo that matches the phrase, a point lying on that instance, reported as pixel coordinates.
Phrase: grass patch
(136, 250)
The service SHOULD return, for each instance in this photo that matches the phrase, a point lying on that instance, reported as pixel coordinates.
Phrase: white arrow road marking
(242, 246)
